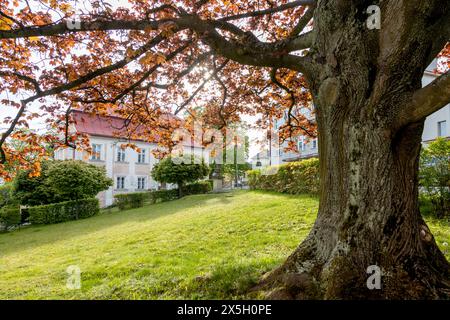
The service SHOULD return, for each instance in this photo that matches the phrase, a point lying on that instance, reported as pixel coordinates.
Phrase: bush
(10, 217)
(254, 179)
(197, 188)
(435, 176)
(179, 171)
(293, 178)
(163, 196)
(64, 211)
(6, 196)
(130, 200)
(61, 181)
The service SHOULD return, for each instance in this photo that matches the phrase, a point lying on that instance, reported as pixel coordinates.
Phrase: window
(96, 152)
(314, 144)
(141, 156)
(301, 145)
(442, 128)
(120, 154)
(141, 183)
(120, 183)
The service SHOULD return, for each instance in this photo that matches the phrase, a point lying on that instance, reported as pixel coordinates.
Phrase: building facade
(129, 169)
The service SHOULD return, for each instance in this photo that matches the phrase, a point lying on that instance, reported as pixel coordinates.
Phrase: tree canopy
(213, 60)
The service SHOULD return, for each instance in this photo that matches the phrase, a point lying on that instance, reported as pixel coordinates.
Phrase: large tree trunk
(369, 213)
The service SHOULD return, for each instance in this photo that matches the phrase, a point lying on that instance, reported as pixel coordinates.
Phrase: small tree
(435, 175)
(179, 172)
(61, 181)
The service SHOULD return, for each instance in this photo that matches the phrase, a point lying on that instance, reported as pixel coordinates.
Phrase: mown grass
(206, 246)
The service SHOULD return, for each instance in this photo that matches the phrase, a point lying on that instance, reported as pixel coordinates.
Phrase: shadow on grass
(30, 237)
(233, 280)
(229, 281)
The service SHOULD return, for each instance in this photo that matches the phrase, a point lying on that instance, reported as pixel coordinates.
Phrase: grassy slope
(208, 246)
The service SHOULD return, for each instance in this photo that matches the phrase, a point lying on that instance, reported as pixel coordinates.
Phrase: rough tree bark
(369, 151)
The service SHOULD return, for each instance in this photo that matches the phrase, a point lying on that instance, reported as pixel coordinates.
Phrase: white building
(437, 124)
(129, 169)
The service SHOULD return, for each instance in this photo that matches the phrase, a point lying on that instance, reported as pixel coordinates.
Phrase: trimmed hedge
(163, 195)
(293, 178)
(199, 187)
(130, 200)
(6, 195)
(10, 217)
(64, 211)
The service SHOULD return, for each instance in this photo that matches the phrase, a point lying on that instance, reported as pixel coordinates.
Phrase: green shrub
(9, 217)
(434, 177)
(197, 188)
(60, 181)
(130, 200)
(163, 195)
(293, 178)
(64, 211)
(6, 196)
(254, 179)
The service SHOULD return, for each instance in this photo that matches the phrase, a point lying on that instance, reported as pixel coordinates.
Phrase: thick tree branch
(283, 7)
(246, 50)
(64, 27)
(300, 42)
(427, 100)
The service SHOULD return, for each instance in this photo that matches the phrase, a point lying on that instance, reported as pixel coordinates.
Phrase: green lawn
(207, 246)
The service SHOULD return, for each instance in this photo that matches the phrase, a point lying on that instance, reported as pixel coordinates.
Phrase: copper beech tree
(217, 60)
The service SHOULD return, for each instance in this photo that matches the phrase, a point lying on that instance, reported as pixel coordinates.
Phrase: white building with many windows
(129, 169)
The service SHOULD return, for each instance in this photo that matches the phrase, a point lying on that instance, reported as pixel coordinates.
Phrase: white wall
(130, 168)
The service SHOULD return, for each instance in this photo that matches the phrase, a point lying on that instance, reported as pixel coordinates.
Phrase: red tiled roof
(95, 125)
(106, 126)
